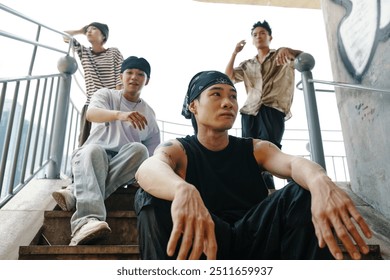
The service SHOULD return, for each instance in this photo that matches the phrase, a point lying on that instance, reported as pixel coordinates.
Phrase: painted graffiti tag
(365, 24)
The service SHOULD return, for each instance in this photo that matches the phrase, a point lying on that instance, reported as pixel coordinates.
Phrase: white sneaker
(65, 198)
(91, 231)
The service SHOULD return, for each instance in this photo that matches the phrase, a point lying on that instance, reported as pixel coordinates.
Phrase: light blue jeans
(97, 173)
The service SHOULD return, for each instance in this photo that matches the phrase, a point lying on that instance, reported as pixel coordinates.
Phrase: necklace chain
(135, 105)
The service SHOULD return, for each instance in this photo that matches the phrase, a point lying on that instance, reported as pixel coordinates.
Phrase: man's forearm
(295, 53)
(72, 33)
(306, 172)
(101, 115)
(76, 32)
(157, 178)
(229, 68)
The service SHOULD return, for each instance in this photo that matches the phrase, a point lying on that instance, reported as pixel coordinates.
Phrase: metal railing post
(67, 66)
(304, 63)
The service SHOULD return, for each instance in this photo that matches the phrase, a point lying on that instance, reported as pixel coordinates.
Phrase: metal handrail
(16, 13)
(28, 78)
(35, 43)
(342, 85)
(304, 63)
(29, 145)
(22, 16)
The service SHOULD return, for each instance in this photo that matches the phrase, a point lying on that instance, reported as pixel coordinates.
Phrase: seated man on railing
(203, 196)
(124, 133)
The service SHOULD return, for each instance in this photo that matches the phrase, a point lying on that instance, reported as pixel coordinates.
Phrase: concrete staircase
(51, 241)
(33, 227)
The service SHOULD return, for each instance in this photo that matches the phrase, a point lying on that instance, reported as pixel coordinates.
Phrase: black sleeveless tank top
(229, 181)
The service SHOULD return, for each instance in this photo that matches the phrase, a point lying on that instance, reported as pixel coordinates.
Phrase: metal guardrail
(342, 85)
(31, 112)
(337, 167)
(39, 123)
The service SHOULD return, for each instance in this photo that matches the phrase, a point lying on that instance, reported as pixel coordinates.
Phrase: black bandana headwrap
(199, 83)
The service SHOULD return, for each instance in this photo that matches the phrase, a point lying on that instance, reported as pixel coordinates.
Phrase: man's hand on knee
(192, 223)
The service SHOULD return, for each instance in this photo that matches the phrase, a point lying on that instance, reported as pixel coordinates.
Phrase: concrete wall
(359, 44)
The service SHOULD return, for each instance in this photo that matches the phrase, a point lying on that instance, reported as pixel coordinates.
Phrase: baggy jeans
(97, 173)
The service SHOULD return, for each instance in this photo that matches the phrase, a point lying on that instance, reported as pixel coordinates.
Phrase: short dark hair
(263, 24)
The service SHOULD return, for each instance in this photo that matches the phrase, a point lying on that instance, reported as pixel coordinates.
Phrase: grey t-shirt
(113, 135)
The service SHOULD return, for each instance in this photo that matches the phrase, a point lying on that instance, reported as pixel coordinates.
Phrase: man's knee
(137, 151)
(152, 236)
(147, 220)
(298, 201)
(90, 152)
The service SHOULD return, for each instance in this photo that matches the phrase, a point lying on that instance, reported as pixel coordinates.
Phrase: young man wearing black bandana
(202, 196)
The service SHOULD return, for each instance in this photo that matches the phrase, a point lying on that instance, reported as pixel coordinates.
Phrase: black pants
(279, 227)
(268, 125)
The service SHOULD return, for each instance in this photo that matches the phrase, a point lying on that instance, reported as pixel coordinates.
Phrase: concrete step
(117, 252)
(56, 229)
(83, 252)
(373, 254)
(121, 199)
(379, 225)
(52, 239)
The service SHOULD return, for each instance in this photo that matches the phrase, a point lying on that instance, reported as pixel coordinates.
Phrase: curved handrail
(20, 15)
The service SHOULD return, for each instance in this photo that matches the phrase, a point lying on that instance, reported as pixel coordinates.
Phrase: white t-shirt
(113, 135)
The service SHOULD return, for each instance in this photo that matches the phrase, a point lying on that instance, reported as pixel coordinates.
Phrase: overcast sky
(181, 37)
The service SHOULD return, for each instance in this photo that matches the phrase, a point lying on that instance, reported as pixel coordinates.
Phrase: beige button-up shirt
(266, 84)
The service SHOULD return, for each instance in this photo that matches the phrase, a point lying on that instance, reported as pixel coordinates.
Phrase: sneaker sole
(59, 198)
(95, 236)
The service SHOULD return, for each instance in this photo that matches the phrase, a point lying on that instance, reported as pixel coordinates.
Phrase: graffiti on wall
(366, 23)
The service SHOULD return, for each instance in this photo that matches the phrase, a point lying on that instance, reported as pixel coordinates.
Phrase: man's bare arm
(229, 67)
(73, 33)
(333, 211)
(162, 175)
(100, 115)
